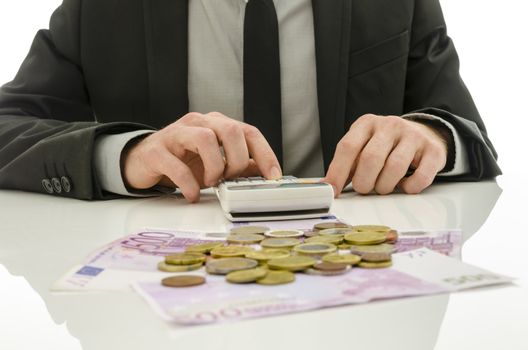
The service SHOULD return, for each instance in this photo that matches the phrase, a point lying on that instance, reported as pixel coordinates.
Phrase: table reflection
(43, 237)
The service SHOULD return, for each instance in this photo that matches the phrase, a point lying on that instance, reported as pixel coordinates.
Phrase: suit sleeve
(434, 87)
(47, 125)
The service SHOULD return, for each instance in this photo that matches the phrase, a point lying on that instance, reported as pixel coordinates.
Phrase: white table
(41, 237)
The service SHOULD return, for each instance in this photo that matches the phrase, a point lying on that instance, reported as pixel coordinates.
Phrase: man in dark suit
(116, 98)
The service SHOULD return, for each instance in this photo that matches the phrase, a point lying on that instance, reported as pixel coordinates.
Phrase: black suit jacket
(108, 66)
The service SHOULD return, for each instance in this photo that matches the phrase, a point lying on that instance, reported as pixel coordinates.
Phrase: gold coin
(230, 251)
(280, 243)
(370, 228)
(203, 248)
(315, 248)
(163, 266)
(185, 258)
(328, 266)
(348, 259)
(292, 263)
(375, 265)
(315, 272)
(244, 238)
(256, 230)
(373, 253)
(265, 255)
(335, 231)
(325, 239)
(327, 225)
(226, 265)
(183, 281)
(273, 278)
(311, 233)
(284, 233)
(365, 238)
(344, 246)
(246, 276)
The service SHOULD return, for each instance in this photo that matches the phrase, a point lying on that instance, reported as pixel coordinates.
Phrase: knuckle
(369, 157)
(191, 118)
(346, 144)
(395, 162)
(393, 121)
(422, 179)
(232, 129)
(252, 131)
(234, 169)
(215, 114)
(205, 135)
(361, 186)
(383, 189)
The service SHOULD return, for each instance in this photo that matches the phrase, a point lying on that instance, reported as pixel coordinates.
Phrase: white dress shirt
(215, 83)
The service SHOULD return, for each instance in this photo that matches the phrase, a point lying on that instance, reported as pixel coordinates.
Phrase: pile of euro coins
(256, 254)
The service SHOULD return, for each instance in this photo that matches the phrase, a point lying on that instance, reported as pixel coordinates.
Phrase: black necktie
(262, 90)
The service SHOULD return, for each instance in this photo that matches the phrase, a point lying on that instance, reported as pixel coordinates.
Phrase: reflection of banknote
(417, 272)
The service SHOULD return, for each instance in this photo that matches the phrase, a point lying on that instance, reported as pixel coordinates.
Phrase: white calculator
(258, 199)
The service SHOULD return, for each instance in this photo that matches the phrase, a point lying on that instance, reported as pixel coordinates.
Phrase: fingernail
(275, 173)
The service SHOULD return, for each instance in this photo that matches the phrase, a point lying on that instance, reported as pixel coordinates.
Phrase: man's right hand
(187, 155)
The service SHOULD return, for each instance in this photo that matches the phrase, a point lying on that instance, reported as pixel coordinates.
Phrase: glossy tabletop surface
(41, 237)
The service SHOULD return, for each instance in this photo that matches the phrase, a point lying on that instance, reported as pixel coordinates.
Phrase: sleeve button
(56, 185)
(48, 187)
(66, 184)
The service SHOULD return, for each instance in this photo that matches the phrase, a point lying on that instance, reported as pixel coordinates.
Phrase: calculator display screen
(277, 185)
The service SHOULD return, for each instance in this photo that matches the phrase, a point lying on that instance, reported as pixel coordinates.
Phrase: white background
(491, 38)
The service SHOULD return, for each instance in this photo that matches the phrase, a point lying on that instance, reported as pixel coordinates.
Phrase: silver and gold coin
(365, 238)
(203, 248)
(335, 231)
(373, 253)
(371, 228)
(292, 263)
(284, 233)
(278, 243)
(336, 240)
(348, 259)
(163, 266)
(268, 254)
(226, 265)
(375, 265)
(230, 251)
(185, 258)
(246, 276)
(274, 278)
(244, 238)
(328, 225)
(256, 230)
(315, 249)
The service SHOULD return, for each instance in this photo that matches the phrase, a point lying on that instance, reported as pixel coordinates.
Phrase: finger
(202, 141)
(340, 169)
(261, 152)
(371, 161)
(424, 174)
(172, 167)
(231, 136)
(251, 170)
(395, 167)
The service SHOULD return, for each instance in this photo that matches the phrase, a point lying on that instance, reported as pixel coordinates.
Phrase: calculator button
(241, 179)
(289, 177)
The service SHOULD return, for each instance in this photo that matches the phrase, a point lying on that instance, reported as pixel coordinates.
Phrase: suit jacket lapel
(166, 48)
(332, 20)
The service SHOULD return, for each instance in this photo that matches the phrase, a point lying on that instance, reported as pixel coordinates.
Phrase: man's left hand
(377, 152)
